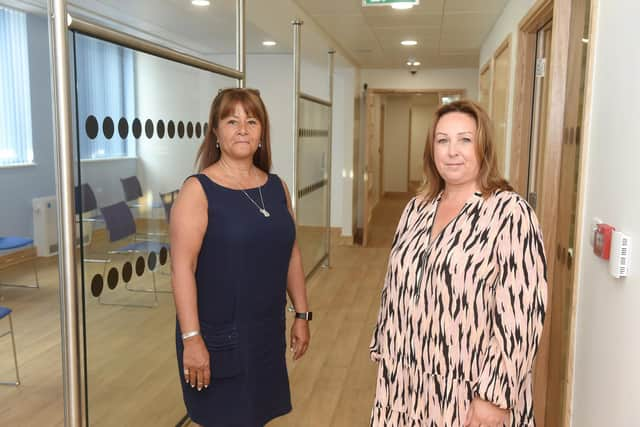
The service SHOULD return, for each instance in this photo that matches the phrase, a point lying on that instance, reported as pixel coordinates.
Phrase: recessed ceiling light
(416, 63)
(585, 40)
(200, 2)
(269, 43)
(402, 6)
(408, 42)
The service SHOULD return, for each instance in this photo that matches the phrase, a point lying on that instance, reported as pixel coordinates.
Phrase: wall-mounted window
(16, 141)
(106, 98)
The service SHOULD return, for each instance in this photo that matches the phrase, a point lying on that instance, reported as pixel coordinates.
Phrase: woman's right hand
(195, 360)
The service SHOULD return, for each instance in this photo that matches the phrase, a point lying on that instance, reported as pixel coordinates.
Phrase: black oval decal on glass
(180, 129)
(160, 129)
(148, 128)
(112, 278)
(136, 128)
(163, 255)
(127, 272)
(140, 266)
(198, 130)
(96, 285)
(190, 130)
(171, 129)
(123, 128)
(107, 127)
(91, 127)
(153, 259)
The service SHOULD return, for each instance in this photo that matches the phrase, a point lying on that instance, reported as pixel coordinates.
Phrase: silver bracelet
(190, 334)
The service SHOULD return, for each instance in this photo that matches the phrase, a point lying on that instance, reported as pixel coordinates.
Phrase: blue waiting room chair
(133, 193)
(86, 203)
(121, 227)
(167, 200)
(10, 243)
(6, 312)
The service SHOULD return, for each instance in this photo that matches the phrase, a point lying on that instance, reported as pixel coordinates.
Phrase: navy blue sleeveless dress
(241, 280)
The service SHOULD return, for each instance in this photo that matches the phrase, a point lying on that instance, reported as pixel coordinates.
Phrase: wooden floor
(131, 357)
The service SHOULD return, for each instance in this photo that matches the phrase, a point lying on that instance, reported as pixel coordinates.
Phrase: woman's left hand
(300, 337)
(485, 414)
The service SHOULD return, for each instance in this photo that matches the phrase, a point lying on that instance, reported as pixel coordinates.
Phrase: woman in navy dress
(234, 258)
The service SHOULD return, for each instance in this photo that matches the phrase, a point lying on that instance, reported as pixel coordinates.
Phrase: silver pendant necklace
(262, 209)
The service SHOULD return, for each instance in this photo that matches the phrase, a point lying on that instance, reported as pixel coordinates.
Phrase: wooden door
(563, 306)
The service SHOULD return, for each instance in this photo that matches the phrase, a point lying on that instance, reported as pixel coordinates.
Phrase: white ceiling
(449, 32)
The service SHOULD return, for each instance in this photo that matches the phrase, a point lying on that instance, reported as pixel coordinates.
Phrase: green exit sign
(389, 2)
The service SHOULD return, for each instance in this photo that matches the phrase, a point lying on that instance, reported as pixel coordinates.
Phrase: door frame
(507, 46)
(368, 106)
(439, 92)
(559, 11)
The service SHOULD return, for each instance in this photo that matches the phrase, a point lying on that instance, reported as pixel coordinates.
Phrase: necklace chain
(262, 209)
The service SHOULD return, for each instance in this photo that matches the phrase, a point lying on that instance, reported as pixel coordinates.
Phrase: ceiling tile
(404, 21)
(449, 32)
(331, 7)
(426, 7)
(485, 6)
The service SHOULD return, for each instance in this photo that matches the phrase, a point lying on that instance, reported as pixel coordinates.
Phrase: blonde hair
(489, 176)
(223, 105)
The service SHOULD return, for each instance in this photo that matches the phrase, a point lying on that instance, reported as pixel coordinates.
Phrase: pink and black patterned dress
(461, 313)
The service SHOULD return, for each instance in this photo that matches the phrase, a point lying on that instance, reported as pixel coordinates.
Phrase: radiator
(45, 226)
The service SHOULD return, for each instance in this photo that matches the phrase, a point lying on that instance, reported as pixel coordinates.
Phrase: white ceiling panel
(329, 7)
(407, 20)
(483, 6)
(433, 7)
(449, 32)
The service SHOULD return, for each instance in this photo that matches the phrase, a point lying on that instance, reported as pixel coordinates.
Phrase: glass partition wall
(140, 120)
(312, 147)
(313, 180)
(140, 98)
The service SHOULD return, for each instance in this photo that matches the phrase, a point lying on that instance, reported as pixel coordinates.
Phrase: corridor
(334, 384)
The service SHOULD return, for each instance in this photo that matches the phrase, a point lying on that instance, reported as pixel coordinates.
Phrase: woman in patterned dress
(464, 297)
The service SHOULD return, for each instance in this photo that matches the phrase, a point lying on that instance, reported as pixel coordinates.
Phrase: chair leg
(33, 286)
(15, 356)
(35, 271)
(153, 290)
(155, 303)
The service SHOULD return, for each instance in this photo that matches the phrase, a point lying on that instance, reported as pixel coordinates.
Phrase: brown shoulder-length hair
(489, 176)
(223, 105)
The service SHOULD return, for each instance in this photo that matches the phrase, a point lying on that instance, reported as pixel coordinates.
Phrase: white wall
(342, 150)
(421, 121)
(273, 76)
(507, 24)
(374, 153)
(606, 373)
(396, 143)
(171, 91)
(455, 78)
(345, 141)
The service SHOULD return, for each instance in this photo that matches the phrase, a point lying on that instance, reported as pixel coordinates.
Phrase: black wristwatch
(306, 315)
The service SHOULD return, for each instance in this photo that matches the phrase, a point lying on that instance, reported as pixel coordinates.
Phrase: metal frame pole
(331, 54)
(297, 23)
(240, 42)
(69, 302)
